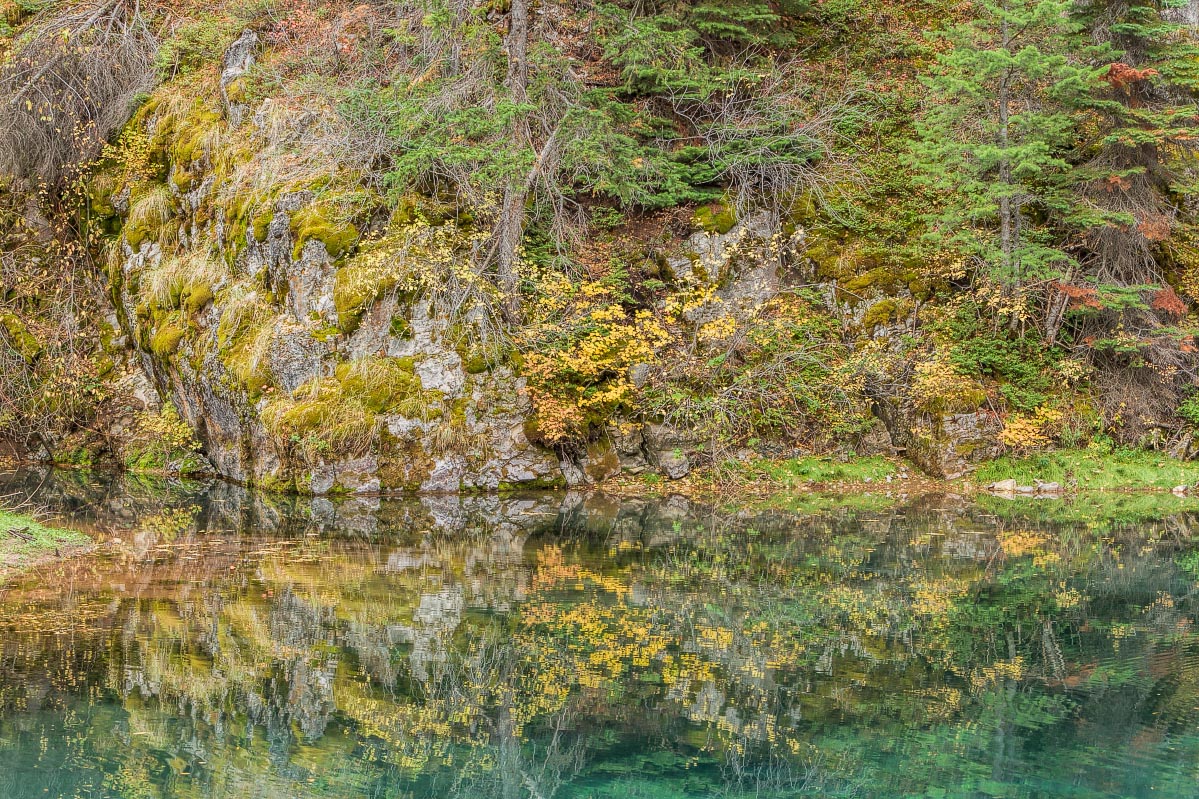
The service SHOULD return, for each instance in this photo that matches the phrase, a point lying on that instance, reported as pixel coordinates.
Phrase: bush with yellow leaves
(1030, 431)
(163, 442)
(576, 355)
(938, 388)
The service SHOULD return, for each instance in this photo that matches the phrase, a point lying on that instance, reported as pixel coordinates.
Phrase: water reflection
(224, 644)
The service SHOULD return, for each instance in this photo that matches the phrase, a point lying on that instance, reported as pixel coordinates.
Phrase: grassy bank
(36, 543)
(1097, 469)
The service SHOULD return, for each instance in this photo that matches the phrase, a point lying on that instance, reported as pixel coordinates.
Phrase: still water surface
(222, 644)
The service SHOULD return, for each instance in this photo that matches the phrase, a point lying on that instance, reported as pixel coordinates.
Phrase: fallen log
(19, 532)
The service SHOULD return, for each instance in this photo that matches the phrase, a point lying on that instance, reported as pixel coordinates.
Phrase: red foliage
(1155, 227)
(1122, 76)
(350, 27)
(1166, 301)
(1113, 182)
(1080, 296)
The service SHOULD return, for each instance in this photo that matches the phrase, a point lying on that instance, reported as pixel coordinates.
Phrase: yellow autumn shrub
(1030, 431)
(937, 387)
(576, 356)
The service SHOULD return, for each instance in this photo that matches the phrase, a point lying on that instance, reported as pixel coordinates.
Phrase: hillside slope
(462, 244)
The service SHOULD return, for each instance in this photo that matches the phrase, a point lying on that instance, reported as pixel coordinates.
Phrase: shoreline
(761, 480)
(36, 545)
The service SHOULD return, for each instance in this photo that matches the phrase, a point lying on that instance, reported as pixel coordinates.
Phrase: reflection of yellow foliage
(170, 522)
(1019, 543)
(941, 702)
(1067, 598)
(986, 677)
(936, 597)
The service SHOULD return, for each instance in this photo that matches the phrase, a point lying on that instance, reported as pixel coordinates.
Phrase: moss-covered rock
(337, 417)
(166, 339)
(716, 218)
(25, 343)
(319, 222)
(196, 296)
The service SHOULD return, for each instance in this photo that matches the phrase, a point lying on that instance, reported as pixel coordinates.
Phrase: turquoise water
(221, 644)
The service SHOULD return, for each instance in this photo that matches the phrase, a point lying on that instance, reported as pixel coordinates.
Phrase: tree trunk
(1058, 304)
(518, 51)
(511, 227)
(1008, 228)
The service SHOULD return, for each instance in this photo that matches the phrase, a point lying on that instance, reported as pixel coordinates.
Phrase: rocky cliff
(469, 246)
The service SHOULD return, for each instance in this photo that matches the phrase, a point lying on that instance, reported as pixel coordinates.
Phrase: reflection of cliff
(484, 632)
(434, 622)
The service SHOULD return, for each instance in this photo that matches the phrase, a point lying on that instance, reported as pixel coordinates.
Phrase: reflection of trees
(518, 647)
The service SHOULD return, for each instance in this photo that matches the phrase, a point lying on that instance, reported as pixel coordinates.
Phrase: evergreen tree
(1135, 172)
(991, 145)
(1142, 122)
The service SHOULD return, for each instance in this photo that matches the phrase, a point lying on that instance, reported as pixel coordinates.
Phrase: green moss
(533, 484)
(100, 189)
(326, 333)
(958, 399)
(389, 385)
(320, 423)
(337, 417)
(135, 235)
(280, 484)
(242, 339)
(813, 470)
(17, 553)
(316, 222)
(475, 364)
(154, 461)
(193, 135)
(166, 339)
(886, 280)
(236, 90)
(260, 223)
(25, 343)
(716, 218)
(458, 410)
(195, 297)
(77, 456)
(355, 287)
(399, 327)
(183, 180)
(885, 312)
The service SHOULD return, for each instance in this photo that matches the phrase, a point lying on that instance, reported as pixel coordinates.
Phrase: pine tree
(991, 146)
(1136, 170)
(1143, 121)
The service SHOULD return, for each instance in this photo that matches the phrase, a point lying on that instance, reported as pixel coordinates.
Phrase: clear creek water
(225, 644)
